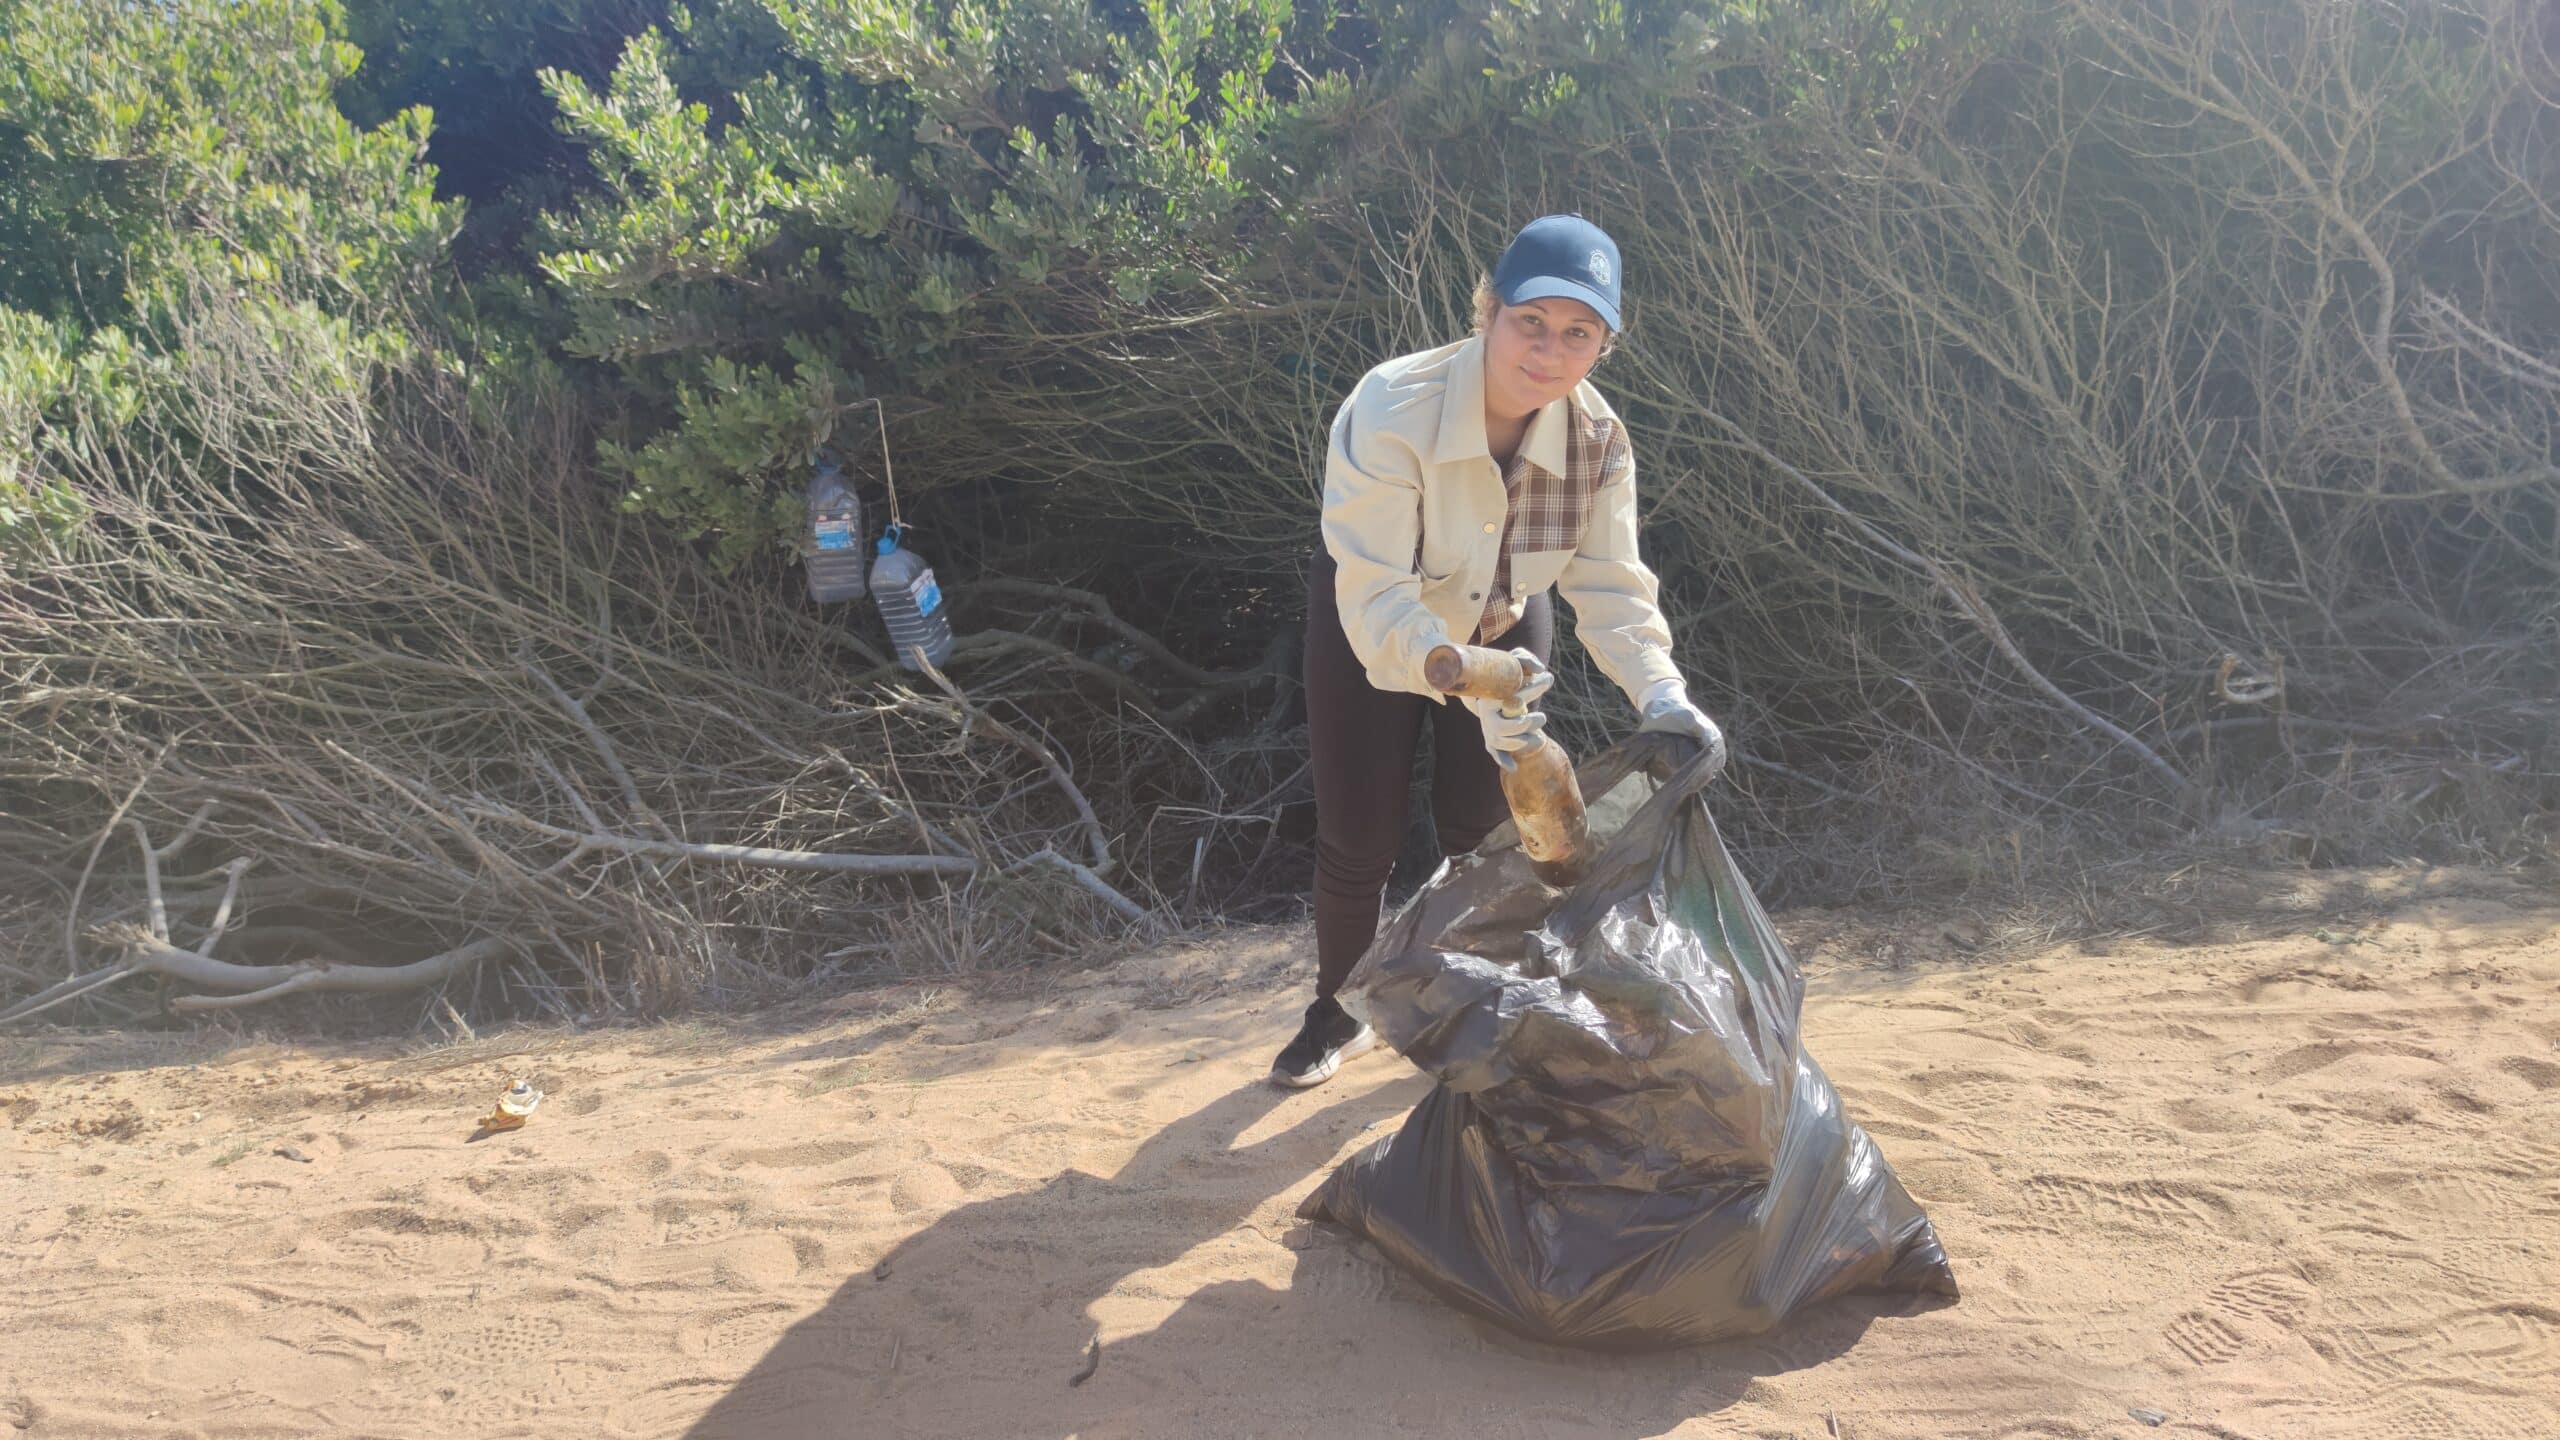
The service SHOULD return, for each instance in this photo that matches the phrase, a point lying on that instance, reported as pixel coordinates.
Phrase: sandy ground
(2303, 1184)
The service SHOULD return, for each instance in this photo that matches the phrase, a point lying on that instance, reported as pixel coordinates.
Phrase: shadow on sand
(979, 1325)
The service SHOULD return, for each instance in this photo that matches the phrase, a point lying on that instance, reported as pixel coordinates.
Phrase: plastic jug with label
(834, 557)
(911, 602)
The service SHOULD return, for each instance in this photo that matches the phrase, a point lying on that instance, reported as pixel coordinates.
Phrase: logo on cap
(1600, 267)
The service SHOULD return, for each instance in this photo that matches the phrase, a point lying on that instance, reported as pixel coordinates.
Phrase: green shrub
(917, 211)
(138, 140)
(149, 149)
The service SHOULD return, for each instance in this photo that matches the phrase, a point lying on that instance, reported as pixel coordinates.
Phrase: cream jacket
(1414, 508)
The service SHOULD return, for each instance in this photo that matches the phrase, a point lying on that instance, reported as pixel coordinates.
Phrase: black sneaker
(1330, 1036)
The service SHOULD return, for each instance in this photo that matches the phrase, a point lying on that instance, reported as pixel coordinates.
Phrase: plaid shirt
(1548, 511)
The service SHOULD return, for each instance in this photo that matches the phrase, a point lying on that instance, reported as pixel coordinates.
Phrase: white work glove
(1667, 711)
(1507, 734)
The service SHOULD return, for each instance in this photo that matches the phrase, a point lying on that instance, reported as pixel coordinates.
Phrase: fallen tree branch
(159, 912)
(971, 715)
(1092, 883)
(71, 912)
(222, 913)
(148, 954)
(63, 992)
(761, 855)
(352, 980)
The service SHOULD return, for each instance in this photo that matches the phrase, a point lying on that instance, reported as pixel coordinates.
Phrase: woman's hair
(1488, 305)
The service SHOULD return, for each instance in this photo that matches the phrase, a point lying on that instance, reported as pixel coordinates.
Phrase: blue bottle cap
(889, 538)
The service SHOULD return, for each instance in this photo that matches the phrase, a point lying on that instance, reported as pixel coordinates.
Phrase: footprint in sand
(2509, 1262)
(438, 1255)
(2540, 1074)
(1341, 1277)
(645, 1165)
(926, 1187)
(690, 1220)
(749, 1330)
(1109, 1115)
(2411, 1338)
(2452, 1195)
(2030, 1034)
(250, 1365)
(2241, 1313)
(97, 1231)
(808, 1400)
(2204, 1338)
(1902, 1131)
(2069, 1205)
(568, 1220)
(2518, 1342)
(1888, 1102)
(2304, 1059)
(402, 1238)
(2099, 1127)
(2206, 1115)
(2405, 1414)
(742, 1262)
(1972, 1096)
(806, 1155)
(474, 1342)
(558, 1387)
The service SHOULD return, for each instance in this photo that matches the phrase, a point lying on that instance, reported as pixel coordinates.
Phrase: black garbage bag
(1628, 1147)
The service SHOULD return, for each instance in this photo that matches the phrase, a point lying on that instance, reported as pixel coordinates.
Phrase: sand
(2303, 1183)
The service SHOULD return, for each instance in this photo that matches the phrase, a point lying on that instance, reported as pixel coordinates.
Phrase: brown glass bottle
(1546, 802)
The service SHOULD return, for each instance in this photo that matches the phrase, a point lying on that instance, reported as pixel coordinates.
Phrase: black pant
(1362, 739)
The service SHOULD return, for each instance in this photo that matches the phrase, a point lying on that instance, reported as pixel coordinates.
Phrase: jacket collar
(1462, 417)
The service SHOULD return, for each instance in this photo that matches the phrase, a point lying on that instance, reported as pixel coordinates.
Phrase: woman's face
(1535, 352)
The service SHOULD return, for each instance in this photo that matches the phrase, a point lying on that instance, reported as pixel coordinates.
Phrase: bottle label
(926, 594)
(835, 535)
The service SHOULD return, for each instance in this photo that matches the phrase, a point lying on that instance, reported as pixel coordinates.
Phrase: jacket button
(1475, 594)
(1488, 527)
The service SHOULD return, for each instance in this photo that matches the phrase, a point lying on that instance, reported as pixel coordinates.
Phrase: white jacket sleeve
(1616, 601)
(1373, 528)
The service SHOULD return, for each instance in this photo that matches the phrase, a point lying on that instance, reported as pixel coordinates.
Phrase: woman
(1460, 484)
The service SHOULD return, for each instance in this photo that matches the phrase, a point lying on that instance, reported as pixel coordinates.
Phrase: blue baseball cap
(1561, 257)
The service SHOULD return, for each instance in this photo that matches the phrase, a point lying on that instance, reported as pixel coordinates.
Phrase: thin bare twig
(1085, 878)
(1968, 600)
(974, 717)
(766, 856)
(604, 748)
(71, 912)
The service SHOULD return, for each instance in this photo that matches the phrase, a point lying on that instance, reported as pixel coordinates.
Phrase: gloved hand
(1507, 735)
(1667, 711)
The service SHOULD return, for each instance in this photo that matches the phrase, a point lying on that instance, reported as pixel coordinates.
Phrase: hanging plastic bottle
(910, 601)
(834, 558)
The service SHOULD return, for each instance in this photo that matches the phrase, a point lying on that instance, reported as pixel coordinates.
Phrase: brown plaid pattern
(1547, 511)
